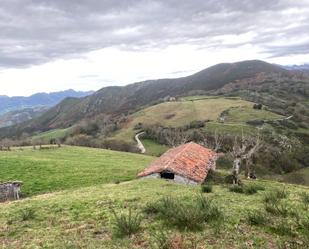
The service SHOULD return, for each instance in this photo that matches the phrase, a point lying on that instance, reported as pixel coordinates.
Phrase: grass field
(230, 128)
(180, 113)
(68, 167)
(56, 133)
(82, 218)
(73, 192)
(245, 113)
(153, 148)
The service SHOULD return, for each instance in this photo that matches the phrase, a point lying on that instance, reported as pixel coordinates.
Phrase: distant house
(10, 191)
(188, 164)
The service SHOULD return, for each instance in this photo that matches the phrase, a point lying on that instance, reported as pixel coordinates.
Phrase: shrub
(275, 195)
(303, 223)
(246, 189)
(211, 211)
(126, 224)
(236, 189)
(256, 218)
(278, 209)
(27, 214)
(281, 193)
(283, 228)
(152, 208)
(185, 215)
(305, 199)
(206, 188)
(229, 179)
(214, 177)
(196, 124)
(251, 189)
(224, 162)
(259, 187)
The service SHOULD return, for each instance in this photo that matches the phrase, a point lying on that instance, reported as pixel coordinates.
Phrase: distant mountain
(118, 100)
(8, 104)
(301, 68)
(19, 116)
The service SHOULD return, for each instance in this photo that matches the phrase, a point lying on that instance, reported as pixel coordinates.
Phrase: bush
(27, 214)
(278, 209)
(256, 218)
(275, 195)
(236, 189)
(214, 177)
(185, 215)
(152, 208)
(206, 188)
(251, 189)
(246, 189)
(303, 223)
(126, 224)
(305, 199)
(283, 228)
(224, 162)
(196, 124)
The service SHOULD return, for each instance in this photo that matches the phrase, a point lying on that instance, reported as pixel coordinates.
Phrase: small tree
(176, 137)
(242, 152)
(215, 142)
(58, 142)
(8, 143)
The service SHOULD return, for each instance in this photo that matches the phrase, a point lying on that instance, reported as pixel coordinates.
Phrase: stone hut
(187, 164)
(10, 191)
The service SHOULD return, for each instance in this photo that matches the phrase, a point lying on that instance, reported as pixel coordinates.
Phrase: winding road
(140, 145)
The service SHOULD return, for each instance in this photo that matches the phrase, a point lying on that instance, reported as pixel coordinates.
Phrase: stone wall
(177, 178)
(184, 180)
(154, 175)
(10, 191)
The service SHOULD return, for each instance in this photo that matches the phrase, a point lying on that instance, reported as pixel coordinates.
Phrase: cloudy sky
(51, 45)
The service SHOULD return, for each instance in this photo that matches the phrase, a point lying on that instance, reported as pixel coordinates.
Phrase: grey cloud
(37, 31)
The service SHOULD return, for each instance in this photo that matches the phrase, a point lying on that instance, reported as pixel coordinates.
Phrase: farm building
(10, 191)
(188, 164)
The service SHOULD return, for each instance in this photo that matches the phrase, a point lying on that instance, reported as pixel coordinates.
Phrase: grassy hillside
(56, 133)
(82, 218)
(121, 100)
(201, 108)
(298, 177)
(153, 148)
(68, 167)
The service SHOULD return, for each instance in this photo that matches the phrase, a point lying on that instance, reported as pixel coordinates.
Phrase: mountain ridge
(118, 100)
(38, 99)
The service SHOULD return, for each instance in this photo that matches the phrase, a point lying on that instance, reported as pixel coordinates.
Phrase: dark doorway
(167, 175)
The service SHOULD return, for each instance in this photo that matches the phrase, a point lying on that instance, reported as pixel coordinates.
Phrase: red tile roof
(189, 160)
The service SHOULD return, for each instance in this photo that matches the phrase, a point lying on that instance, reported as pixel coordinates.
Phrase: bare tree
(8, 143)
(176, 137)
(213, 142)
(218, 141)
(33, 143)
(58, 142)
(242, 152)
